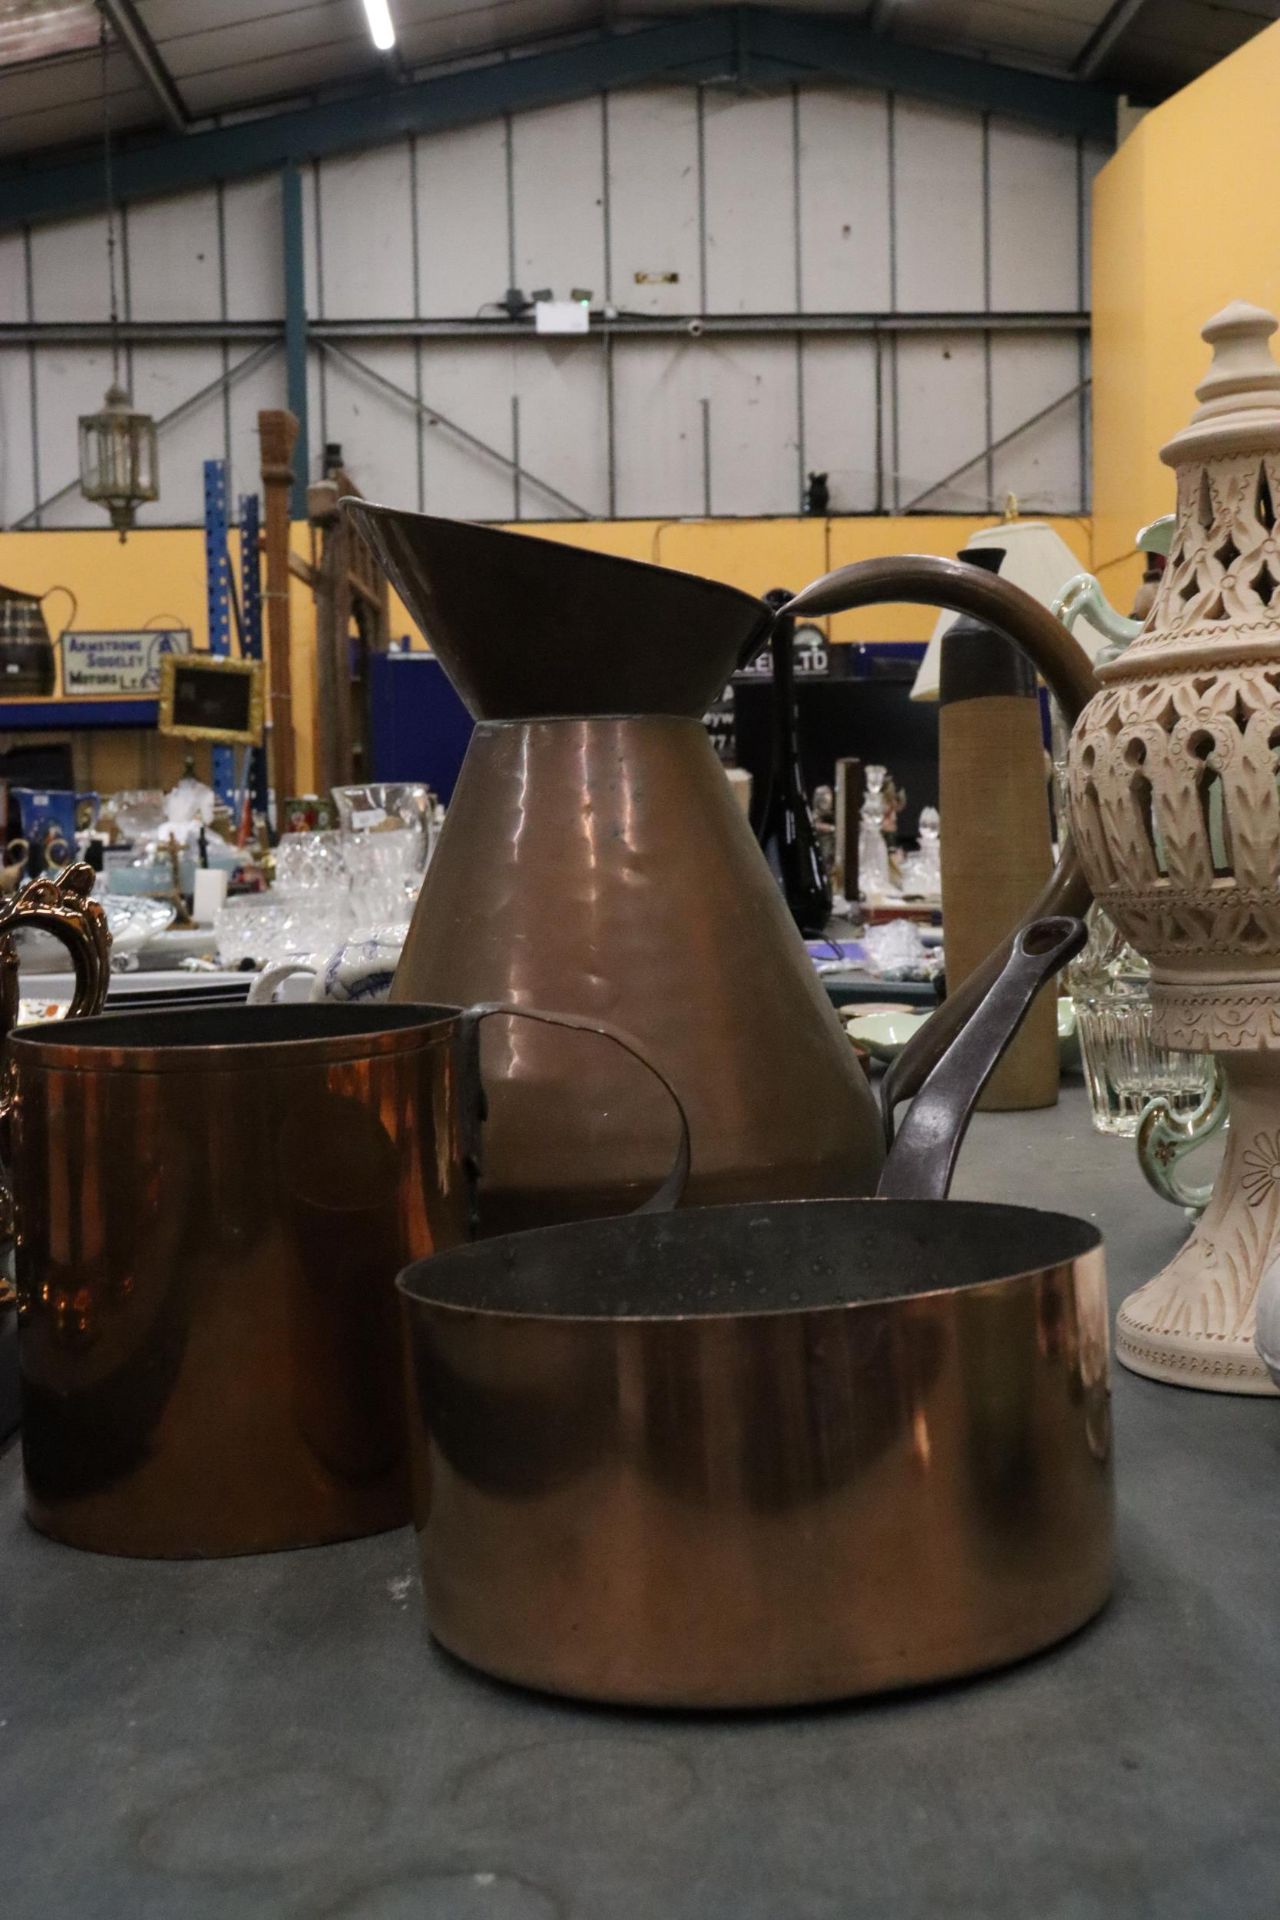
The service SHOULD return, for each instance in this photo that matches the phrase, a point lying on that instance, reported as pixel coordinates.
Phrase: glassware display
(386, 871)
(306, 862)
(922, 870)
(1123, 1066)
(371, 807)
(875, 876)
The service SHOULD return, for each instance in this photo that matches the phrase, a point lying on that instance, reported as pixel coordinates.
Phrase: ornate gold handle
(61, 905)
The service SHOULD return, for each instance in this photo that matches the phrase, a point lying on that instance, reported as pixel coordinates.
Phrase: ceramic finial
(1242, 359)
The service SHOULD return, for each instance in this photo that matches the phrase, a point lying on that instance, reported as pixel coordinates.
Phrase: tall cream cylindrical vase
(1172, 776)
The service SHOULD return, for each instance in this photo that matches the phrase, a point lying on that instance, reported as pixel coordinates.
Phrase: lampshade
(118, 461)
(1038, 560)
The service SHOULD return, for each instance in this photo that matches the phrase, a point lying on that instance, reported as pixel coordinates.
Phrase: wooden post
(333, 611)
(278, 434)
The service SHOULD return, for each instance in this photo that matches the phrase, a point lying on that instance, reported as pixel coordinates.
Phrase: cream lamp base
(1193, 1325)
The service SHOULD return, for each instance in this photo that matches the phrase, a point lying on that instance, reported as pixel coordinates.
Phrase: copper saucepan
(753, 1455)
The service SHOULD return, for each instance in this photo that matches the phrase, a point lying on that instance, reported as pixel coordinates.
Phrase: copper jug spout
(527, 627)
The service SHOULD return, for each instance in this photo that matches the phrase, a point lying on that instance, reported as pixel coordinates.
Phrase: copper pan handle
(925, 580)
(923, 1157)
(473, 1102)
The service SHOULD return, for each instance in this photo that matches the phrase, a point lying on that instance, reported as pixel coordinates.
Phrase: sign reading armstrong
(119, 662)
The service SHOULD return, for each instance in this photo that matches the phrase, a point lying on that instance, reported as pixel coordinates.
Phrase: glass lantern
(118, 462)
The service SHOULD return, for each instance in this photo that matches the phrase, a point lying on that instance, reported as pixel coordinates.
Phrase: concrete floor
(276, 1737)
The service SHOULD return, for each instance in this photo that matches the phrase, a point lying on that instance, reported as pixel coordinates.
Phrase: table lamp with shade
(1037, 559)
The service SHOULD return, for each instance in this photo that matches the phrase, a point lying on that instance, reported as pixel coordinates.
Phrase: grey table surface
(277, 1737)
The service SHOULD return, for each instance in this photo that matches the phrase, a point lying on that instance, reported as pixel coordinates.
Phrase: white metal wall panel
(938, 240)
(796, 192)
(1035, 233)
(752, 387)
(17, 472)
(378, 434)
(564, 426)
(69, 381)
(252, 225)
(658, 385)
(13, 278)
(941, 407)
(1042, 466)
(69, 270)
(473, 384)
(366, 233)
(750, 187)
(653, 199)
(840, 418)
(173, 258)
(844, 201)
(753, 390)
(263, 388)
(557, 158)
(163, 377)
(463, 238)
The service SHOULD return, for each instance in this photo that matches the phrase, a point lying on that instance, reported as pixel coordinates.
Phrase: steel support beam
(295, 332)
(1104, 36)
(131, 31)
(141, 333)
(714, 46)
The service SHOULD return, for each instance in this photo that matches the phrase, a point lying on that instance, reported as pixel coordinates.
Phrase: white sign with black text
(119, 662)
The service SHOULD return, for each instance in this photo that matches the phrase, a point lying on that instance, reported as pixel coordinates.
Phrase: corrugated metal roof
(227, 56)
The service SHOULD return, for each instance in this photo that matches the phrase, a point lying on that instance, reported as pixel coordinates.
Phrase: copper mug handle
(60, 905)
(925, 580)
(473, 1101)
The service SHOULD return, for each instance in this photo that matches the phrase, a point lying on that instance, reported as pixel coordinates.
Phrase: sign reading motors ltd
(119, 662)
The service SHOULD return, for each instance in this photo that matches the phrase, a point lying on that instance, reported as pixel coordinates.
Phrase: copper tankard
(212, 1207)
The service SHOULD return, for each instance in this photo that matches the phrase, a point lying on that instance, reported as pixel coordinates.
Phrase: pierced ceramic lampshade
(1173, 791)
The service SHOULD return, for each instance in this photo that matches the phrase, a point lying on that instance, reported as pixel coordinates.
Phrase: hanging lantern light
(119, 465)
(118, 458)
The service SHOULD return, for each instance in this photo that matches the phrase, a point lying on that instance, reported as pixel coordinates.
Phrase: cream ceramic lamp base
(1193, 1325)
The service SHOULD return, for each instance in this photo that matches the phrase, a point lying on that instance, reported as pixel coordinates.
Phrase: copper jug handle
(473, 1101)
(75, 605)
(925, 580)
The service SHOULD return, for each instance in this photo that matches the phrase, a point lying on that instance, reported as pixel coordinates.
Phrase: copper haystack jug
(594, 859)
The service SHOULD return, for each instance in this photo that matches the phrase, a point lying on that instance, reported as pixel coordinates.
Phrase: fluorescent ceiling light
(381, 26)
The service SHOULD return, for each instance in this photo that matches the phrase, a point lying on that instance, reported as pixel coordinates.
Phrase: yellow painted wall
(758, 554)
(161, 572)
(1186, 217)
